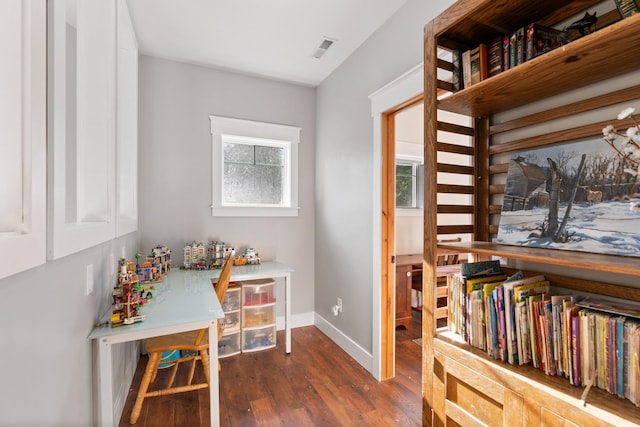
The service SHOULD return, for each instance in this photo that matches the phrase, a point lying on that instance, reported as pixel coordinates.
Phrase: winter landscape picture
(581, 196)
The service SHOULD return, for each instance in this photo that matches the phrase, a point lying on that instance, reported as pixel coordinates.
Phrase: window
(255, 168)
(409, 183)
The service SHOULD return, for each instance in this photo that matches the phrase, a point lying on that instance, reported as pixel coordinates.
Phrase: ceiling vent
(324, 45)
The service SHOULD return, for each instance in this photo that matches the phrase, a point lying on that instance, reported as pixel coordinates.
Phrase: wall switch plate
(89, 279)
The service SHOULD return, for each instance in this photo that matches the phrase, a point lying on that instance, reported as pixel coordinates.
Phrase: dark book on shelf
(494, 53)
(520, 45)
(506, 53)
(540, 40)
(627, 7)
(513, 50)
(478, 64)
(456, 73)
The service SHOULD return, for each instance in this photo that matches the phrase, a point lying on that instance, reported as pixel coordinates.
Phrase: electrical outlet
(339, 305)
(89, 279)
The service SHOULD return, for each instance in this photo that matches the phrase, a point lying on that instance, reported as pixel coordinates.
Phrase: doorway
(396, 122)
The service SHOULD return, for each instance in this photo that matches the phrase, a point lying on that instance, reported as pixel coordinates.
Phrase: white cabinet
(92, 112)
(23, 142)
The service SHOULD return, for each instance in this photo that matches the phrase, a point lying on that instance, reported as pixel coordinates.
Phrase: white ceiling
(270, 38)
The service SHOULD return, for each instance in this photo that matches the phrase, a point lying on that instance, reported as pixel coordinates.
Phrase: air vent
(324, 45)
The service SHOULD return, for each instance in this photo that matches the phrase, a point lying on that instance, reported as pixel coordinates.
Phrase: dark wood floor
(318, 384)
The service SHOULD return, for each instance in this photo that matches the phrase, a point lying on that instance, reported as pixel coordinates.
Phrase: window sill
(409, 212)
(253, 211)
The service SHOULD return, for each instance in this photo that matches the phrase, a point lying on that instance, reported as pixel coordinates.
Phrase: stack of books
(517, 320)
(503, 53)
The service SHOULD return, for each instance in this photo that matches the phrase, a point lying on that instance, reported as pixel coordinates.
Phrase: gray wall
(176, 100)
(46, 361)
(344, 167)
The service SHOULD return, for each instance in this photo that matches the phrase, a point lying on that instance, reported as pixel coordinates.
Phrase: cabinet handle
(408, 274)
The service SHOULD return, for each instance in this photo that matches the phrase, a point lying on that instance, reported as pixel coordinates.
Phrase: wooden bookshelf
(463, 385)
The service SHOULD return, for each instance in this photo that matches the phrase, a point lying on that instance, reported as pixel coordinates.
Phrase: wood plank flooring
(318, 384)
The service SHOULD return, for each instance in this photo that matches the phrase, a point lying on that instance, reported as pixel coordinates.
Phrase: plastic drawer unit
(258, 315)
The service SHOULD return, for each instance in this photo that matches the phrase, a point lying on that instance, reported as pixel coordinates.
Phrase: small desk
(184, 301)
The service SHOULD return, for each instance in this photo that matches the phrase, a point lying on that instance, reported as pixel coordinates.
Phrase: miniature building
(127, 297)
(194, 255)
(161, 257)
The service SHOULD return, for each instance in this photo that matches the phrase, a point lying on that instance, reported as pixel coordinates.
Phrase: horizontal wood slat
(444, 65)
(584, 131)
(455, 189)
(453, 128)
(497, 189)
(499, 168)
(455, 209)
(495, 209)
(459, 169)
(454, 229)
(612, 98)
(454, 148)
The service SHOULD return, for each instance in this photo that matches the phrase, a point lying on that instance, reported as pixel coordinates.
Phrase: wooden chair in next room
(194, 343)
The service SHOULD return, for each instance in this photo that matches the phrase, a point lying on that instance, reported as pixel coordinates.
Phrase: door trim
(406, 90)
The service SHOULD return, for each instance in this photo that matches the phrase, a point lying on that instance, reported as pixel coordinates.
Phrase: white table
(184, 301)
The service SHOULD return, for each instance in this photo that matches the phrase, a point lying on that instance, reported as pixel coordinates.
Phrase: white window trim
(245, 129)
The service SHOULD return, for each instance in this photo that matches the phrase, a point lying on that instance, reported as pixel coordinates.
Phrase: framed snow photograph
(581, 196)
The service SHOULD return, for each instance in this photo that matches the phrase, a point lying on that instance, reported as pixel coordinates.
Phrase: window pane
(269, 155)
(252, 184)
(238, 153)
(404, 186)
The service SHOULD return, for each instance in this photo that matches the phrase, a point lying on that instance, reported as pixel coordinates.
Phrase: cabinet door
(23, 142)
(403, 295)
(462, 397)
(81, 124)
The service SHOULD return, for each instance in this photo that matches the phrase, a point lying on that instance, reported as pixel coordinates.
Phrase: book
(456, 74)
(494, 54)
(466, 68)
(509, 314)
(506, 53)
(512, 50)
(619, 309)
(520, 45)
(475, 68)
(627, 8)
(540, 40)
(480, 268)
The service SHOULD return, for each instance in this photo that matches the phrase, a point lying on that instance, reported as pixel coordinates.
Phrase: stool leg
(152, 365)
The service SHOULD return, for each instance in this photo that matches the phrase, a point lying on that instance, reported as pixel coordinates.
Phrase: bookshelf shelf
(601, 55)
(582, 260)
(463, 385)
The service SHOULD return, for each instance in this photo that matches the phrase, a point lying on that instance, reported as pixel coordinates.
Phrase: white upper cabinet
(127, 124)
(23, 142)
(85, 126)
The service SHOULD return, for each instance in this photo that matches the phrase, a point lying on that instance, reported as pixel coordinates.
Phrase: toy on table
(249, 256)
(128, 295)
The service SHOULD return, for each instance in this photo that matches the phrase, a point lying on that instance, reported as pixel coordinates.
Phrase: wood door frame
(387, 243)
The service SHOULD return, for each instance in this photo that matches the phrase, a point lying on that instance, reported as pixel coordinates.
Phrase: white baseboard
(353, 349)
(297, 321)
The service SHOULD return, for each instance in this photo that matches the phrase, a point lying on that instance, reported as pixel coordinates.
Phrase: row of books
(517, 320)
(502, 53)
